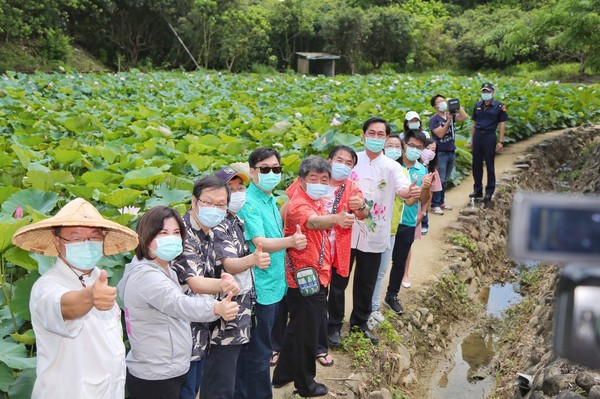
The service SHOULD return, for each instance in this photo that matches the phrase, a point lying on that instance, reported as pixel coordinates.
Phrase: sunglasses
(266, 169)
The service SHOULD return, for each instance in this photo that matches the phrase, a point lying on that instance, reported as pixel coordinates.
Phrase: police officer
(488, 114)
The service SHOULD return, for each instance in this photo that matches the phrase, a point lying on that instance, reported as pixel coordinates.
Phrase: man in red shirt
(306, 213)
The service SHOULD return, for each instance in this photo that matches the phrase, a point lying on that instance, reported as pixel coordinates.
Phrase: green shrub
(55, 46)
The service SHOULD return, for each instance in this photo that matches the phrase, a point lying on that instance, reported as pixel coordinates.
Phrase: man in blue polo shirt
(488, 115)
(263, 226)
(414, 143)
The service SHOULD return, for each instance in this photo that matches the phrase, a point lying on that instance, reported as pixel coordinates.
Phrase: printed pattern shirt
(379, 180)
(230, 243)
(198, 259)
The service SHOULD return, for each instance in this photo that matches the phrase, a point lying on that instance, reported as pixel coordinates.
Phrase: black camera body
(565, 229)
(453, 105)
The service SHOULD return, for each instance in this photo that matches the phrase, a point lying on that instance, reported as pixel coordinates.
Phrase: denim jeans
(253, 379)
(445, 167)
(191, 386)
(386, 257)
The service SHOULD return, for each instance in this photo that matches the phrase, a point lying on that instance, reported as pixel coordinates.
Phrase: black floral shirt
(198, 259)
(230, 243)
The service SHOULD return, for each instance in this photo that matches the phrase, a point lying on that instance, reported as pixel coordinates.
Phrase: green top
(262, 219)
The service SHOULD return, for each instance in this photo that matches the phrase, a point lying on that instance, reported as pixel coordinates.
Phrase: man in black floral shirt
(233, 256)
(209, 204)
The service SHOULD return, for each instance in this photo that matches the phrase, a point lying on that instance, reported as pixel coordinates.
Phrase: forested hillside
(243, 35)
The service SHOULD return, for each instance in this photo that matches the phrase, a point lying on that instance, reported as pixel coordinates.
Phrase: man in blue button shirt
(488, 114)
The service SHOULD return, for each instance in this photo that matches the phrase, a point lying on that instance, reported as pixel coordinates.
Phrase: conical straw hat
(38, 237)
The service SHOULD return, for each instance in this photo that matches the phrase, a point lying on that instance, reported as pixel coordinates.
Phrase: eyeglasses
(349, 164)
(212, 204)
(266, 169)
(96, 238)
(412, 145)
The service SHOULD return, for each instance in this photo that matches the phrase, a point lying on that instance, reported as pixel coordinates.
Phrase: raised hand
(426, 181)
(228, 284)
(355, 202)
(298, 239)
(414, 190)
(345, 219)
(261, 259)
(103, 295)
(227, 308)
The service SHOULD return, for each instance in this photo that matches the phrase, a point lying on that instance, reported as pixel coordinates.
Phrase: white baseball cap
(411, 115)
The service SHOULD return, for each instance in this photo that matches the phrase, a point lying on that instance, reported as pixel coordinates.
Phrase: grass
(463, 241)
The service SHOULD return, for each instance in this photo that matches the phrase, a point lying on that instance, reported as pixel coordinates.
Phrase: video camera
(565, 229)
(453, 105)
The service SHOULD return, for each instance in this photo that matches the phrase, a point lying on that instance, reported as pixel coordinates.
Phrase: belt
(485, 131)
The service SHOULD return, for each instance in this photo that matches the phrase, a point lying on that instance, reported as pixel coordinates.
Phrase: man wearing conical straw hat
(80, 351)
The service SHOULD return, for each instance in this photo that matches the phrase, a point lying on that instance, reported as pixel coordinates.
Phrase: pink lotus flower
(18, 212)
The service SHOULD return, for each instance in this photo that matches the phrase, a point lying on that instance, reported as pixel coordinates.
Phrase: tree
(244, 36)
(345, 31)
(389, 39)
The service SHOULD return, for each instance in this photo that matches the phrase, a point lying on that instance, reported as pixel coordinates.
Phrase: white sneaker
(372, 323)
(406, 283)
(378, 316)
(446, 207)
(437, 210)
(424, 230)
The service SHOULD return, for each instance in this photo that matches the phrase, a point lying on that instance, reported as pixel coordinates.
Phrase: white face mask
(237, 201)
(414, 125)
(443, 106)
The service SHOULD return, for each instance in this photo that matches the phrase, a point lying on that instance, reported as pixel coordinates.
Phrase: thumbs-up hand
(227, 308)
(103, 295)
(426, 181)
(228, 284)
(261, 259)
(414, 190)
(355, 202)
(298, 239)
(345, 219)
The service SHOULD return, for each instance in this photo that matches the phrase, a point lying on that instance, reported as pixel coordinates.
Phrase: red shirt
(299, 209)
(343, 237)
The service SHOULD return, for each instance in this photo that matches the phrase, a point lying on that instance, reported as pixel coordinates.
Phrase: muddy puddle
(467, 374)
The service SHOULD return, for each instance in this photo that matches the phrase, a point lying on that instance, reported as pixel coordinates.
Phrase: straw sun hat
(38, 237)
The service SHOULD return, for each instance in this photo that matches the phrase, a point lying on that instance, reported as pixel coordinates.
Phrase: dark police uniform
(486, 119)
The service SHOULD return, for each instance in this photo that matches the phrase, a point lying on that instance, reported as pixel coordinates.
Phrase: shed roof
(319, 56)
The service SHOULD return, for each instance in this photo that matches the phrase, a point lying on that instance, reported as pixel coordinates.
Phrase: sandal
(274, 359)
(322, 359)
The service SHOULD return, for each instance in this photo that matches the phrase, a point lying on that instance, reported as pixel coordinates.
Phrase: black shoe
(476, 194)
(393, 303)
(320, 390)
(334, 340)
(368, 334)
(487, 198)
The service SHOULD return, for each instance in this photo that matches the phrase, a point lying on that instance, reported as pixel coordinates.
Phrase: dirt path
(427, 259)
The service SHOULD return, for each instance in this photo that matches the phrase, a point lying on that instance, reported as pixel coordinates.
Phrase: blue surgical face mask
(84, 255)
(268, 181)
(316, 191)
(168, 247)
(237, 201)
(340, 171)
(414, 125)
(210, 216)
(393, 153)
(485, 96)
(374, 145)
(412, 154)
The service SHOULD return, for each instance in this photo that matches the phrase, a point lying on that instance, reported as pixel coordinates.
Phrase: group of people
(210, 298)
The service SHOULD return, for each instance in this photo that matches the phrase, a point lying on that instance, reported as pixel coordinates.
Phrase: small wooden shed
(317, 63)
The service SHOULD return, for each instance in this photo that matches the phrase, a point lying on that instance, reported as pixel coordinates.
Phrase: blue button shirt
(262, 219)
(409, 213)
(488, 118)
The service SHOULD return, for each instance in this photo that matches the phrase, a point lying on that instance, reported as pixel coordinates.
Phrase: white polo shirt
(380, 180)
(82, 358)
